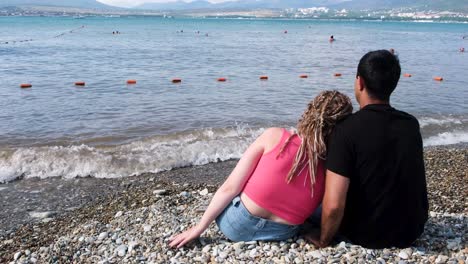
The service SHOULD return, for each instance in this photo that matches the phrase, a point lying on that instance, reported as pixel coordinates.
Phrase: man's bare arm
(334, 202)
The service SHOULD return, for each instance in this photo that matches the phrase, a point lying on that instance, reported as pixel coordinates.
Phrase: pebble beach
(130, 220)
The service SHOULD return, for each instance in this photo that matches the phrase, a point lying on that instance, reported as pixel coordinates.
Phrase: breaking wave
(155, 154)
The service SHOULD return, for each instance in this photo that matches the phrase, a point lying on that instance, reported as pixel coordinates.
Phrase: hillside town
(401, 14)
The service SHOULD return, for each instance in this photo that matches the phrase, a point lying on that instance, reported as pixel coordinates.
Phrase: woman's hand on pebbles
(313, 236)
(181, 239)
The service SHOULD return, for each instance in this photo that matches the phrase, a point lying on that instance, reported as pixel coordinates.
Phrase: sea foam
(153, 154)
(447, 138)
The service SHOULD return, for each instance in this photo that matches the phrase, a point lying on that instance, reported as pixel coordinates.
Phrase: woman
(278, 182)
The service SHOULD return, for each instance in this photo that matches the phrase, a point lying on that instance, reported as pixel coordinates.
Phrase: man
(376, 193)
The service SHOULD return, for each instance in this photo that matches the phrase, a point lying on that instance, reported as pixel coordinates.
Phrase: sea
(109, 129)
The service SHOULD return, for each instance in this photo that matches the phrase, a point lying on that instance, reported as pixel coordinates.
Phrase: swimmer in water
(332, 38)
(392, 51)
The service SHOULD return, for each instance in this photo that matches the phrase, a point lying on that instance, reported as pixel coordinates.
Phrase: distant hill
(454, 5)
(241, 4)
(88, 4)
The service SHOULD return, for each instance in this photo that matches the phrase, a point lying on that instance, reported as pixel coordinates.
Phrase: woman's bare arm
(230, 189)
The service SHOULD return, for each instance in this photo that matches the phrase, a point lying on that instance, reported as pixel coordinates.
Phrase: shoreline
(69, 205)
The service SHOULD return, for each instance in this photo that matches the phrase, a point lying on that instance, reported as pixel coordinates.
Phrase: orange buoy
(131, 82)
(337, 74)
(438, 78)
(263, 77)
(222, 79)
(176, 80)
(80, 83)
(407, 75)
(304, 76)
(25, 85)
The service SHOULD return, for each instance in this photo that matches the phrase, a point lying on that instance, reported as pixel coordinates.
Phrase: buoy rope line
(224, 79)
(56, 36)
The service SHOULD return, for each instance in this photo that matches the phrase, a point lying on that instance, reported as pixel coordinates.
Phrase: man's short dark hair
(381, 71)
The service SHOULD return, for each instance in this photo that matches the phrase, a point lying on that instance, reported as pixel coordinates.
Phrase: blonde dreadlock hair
(314, 127)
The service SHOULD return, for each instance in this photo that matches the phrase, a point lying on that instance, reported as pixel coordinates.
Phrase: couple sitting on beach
(362, 173)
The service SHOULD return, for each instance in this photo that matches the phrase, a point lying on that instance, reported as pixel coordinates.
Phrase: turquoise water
(110, 129)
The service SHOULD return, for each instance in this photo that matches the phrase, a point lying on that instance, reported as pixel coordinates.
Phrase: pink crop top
(268, 187)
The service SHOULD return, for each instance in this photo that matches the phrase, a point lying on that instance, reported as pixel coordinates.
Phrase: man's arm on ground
(334, 202)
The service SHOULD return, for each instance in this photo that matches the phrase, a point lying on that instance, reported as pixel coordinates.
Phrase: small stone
(27, 252)
(17, 255)
(118, 241)
(147, 228)
(132, 245)
(160, 192)
(7, 242)
(453, 244)
(298, 260)
(206, 248)
(403, 255)
(41, 215)
(215, 252)
(122, 250)
(253, 253)
(185, 194)
(201, 209)
(441, 259)
(204, 192)
(223, 255)
(47, 220)
(238, 245)
(409, 251)
(118, 214)
(103, 236)
(342, 245)
(314, 254)
(381, 261)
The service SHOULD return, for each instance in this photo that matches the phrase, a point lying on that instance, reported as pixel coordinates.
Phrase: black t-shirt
(380, 150)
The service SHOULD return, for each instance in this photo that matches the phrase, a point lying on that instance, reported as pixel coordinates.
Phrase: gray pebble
(118, 214)
(121, 250)
(17, 255)
(103, 236)
(160, 192)
(403, 254)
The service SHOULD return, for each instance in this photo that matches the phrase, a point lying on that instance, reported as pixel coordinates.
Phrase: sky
(132, 3)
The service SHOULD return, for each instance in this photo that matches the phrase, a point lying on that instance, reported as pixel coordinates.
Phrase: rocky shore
(129, 220)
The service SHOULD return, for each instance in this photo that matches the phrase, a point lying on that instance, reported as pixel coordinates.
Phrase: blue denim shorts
(238, 224)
